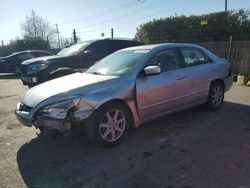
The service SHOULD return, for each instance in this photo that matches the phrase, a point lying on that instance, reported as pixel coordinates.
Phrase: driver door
(163, 92)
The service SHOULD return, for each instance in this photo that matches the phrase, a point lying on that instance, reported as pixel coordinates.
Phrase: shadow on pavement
(158, 154)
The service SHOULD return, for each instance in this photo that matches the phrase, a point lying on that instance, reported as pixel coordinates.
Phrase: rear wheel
(109, 124)
(216, 96)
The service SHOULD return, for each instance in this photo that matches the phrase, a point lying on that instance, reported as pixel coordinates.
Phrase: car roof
(162, 45)
(115, 39)
(28, 51)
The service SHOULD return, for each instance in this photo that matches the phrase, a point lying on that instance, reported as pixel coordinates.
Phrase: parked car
(126, 89)
(69, 60)
(12, 63)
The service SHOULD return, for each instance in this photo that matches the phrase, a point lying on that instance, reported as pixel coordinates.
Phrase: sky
(91, 18)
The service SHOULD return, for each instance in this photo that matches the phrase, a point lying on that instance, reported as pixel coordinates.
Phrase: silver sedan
(126, 89)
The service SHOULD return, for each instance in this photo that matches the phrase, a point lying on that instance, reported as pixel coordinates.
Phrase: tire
(109, 124)
(48, 133)
(216, 96)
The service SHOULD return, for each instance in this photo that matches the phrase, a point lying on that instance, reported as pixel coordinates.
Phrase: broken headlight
(60, 110)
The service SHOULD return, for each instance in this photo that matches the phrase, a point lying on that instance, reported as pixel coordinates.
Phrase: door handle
(178, 77)
(210, 69)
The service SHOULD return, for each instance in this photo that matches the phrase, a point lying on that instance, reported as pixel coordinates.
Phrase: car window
(119, 63)
(193, 56)
(40, 54)
(25, 56)
(73, 50)
(167, 60)
(98, 48)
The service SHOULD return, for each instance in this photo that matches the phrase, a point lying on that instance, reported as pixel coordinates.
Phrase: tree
(24, 44)
(65, 42)
(219, 27)
(37, 27)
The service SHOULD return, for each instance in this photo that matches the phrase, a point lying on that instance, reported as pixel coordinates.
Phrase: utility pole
(58, 38)
(225, 5)
(47, 38)
(2, 43)
(74, 36)
(112, 33)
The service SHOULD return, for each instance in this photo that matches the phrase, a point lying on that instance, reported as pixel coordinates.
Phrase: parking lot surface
(195, 148)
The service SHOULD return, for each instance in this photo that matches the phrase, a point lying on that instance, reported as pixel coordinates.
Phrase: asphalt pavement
(195, 148)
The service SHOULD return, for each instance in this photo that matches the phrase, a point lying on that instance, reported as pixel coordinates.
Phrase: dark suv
(12, 63)
(69, 60)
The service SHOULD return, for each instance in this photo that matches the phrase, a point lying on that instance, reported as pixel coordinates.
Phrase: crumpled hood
(44, 58)
(63, 85)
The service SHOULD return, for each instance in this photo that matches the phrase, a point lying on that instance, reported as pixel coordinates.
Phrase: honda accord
(126, 89)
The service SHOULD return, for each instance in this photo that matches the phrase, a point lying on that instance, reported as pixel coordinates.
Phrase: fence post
(229, 48)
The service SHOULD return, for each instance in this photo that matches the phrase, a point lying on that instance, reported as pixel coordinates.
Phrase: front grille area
(24, 69)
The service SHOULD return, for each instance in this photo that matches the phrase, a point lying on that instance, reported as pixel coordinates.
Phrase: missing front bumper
(47, 123)
(51, 124)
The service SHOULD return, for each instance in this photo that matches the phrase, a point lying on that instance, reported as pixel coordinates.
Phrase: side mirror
(152, 70)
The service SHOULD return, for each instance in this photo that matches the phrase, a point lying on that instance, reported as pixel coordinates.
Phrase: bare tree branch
(38, 27)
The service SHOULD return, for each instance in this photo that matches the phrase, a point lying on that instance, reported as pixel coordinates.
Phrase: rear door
(200, 70)
(163, 92)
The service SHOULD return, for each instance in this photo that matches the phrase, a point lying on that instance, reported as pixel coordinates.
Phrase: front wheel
(215, 96)
(109, 124)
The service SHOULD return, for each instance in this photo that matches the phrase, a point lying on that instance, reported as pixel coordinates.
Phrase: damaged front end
(51, 124)
(60, 116)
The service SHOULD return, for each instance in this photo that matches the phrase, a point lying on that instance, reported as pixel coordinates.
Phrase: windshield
(118, 63)
(72, 50)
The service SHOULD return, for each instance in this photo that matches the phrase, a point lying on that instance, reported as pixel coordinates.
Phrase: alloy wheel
(112, 125)
(217, 96)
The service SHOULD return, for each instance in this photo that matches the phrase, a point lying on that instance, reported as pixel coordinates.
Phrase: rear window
(193, 56)
(40, 54)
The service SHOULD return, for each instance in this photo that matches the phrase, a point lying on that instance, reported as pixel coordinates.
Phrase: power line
(126, 5)
(177, 7)
(139, 18)
(121, 16)
(184, 5)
